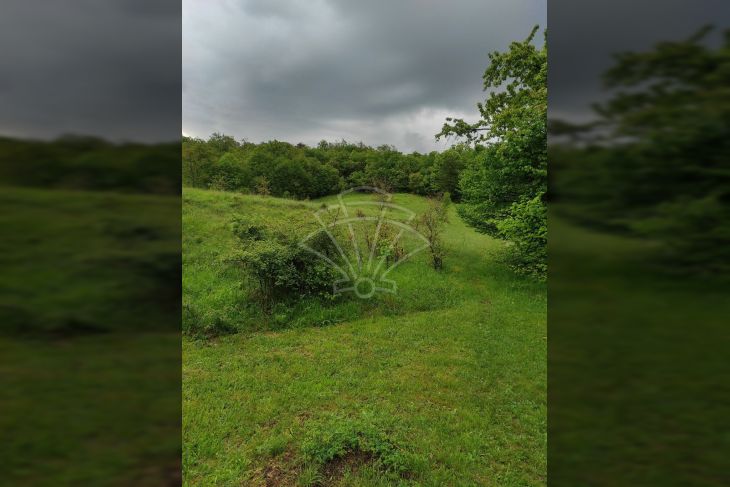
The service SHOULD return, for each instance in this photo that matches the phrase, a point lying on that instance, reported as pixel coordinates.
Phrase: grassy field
(637, 389)
(443, 383)
(76, 262)
(96, 410)
(89, 338)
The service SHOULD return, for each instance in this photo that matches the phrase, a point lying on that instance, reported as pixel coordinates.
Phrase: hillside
(442, 383)
(89, 342)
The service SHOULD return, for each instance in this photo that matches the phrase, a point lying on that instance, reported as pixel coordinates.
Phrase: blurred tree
(658, 162)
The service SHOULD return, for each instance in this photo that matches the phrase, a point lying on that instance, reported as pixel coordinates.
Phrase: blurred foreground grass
(637, 394)
(89, 338)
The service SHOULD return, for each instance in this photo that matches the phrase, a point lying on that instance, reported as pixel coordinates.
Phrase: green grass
(75, 261)
(95, 410)
(89, 338)
(636, 386)
(443, 383)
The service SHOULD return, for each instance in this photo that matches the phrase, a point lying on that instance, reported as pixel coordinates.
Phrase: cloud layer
(377, 71)
(87, 67)
(584, 36)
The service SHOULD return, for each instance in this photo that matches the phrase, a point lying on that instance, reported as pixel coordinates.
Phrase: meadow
(89, 338)
(442, 383)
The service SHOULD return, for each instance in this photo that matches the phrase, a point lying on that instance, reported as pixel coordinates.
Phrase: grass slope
(443, 383)
(89, 338)
(80, 261)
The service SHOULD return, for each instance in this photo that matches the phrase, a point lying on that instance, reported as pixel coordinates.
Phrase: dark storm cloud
(103, 68)
(377, 71)
(585, 35)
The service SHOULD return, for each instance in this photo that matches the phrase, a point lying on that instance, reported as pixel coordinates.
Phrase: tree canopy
(503, 187)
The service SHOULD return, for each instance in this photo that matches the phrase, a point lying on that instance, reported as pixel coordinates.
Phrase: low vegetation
(442, 383)
(89, 337)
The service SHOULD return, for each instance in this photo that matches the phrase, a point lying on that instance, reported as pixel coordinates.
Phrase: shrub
(525, 227)
(261, 186)
(205, 323)
(338, 437)
(279, 266)
(431, 223)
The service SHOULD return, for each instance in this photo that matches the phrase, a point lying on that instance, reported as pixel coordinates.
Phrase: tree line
(299, 171)
(89, 163)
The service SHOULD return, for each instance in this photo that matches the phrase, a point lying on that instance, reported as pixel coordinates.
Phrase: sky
(88, 67)
(584, 36)
(374, 71)
(380, 72)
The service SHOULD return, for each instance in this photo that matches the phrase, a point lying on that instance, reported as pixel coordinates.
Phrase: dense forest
(299, 171)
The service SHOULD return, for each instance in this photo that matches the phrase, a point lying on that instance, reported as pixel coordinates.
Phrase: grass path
(456, 388)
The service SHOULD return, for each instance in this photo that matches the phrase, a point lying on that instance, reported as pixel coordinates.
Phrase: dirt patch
(281, 471)
(352, 461)
(275, 475)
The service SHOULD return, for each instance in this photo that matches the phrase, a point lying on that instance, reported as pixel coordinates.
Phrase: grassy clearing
(217, 298)
(443, 383)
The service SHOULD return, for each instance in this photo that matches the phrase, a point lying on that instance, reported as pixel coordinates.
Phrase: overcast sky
(109, 68)
(371, 70)
(584, 35)
(378, 71)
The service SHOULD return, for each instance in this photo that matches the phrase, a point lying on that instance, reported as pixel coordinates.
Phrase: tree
(510, 174)
(431, 224)
(220, 143)
(230, 172)
(447, 169)
(666, 131)
(196, 159)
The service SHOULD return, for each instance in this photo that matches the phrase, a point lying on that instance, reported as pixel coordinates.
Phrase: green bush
(279, 266)
(205, 323)
(525, 228)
